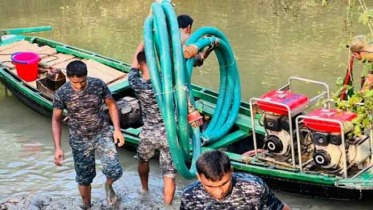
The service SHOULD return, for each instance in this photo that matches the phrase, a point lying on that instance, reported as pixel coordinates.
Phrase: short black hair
(184, 21)
(213, 165)
(76, 69)
(141, 57)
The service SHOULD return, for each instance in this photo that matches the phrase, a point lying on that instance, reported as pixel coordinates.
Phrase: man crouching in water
(153, 135)
(89, 130)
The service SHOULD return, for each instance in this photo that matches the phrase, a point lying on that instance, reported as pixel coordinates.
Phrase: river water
(272, 40)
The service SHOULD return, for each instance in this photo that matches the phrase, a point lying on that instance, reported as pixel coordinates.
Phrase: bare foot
(143, 191)
(111, 197)
(85, 207)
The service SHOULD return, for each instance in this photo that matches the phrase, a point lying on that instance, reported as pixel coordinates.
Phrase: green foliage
(365, 17)
(359, 103)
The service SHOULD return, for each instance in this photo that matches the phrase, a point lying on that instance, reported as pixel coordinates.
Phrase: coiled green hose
(161, 34)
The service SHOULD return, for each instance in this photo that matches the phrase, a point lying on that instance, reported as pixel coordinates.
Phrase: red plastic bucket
(26, 65)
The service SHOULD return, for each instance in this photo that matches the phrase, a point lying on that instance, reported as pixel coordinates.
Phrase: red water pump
(330, 142)
(279, 120)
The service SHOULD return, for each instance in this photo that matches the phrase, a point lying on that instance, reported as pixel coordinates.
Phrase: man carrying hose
(153, 135)
(185, 27)
(89, 130)
(363, 50)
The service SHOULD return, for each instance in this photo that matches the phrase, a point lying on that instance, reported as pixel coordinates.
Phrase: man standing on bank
(219, 188)
(89, 130)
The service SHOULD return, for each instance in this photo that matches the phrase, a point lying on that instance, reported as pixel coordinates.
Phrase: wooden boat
(240, 139)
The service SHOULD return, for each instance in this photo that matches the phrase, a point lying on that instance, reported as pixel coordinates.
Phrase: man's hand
(286, 207)
(58, 157)
(118, 138)
(368, 84)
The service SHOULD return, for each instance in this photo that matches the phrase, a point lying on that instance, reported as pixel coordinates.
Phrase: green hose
(172, 84)
(229, 100)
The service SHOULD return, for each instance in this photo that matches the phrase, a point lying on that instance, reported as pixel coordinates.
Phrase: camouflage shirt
(144, 91)
(249, 192)
(84, 108)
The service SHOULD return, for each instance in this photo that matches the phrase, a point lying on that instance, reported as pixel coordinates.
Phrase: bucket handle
(12, 57)
(21, 62)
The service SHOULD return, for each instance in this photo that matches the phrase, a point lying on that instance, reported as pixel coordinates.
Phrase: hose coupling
(190, 51)
(194, 117)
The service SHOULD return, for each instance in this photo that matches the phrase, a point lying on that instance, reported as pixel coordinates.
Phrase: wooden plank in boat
(6, 54)
(92, 72)
(7, 63)
(22, 48)
(46, 51)
(64, 64)
(103, 68)
(32, 84)
(120, 80)
(13, 45)
(57, 59)
(27, 47)
(101, 71)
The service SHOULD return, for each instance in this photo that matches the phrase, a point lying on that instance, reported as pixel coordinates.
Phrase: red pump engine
(276, 121)
(327, 139)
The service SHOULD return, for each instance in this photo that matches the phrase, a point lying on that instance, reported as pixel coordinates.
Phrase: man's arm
(114, 115)
(56, 132)
(368, 83)
(200, 57)
(140, 48)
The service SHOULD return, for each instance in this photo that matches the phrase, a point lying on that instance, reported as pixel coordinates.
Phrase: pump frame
(291, 113)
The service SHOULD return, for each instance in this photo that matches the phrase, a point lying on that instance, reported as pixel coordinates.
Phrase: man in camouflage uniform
(153, 135)
(219, 188)
(89, 129)
(185, 23)
(362, 50)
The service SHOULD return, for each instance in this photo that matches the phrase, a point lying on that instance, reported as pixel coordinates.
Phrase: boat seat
(119, 86)
(57, 59)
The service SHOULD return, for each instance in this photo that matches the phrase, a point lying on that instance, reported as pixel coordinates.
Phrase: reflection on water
(272, 40)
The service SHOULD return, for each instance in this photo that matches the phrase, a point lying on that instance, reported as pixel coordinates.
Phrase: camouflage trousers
(151, 141)
(84, 148)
